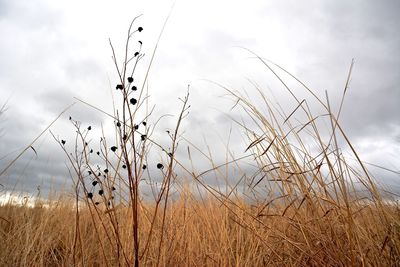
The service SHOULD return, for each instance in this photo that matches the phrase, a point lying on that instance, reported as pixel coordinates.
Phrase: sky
(53, 51)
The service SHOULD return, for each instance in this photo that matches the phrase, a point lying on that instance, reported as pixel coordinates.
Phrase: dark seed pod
(97, 203)
(136, 54)
(118, 124)
(70, 118)
(136, 127)
(89, 172)
(101, 192)
(98, 153)
(119, 87)
(63, 142)
(91, 151)
(109, 203)
(124, 166)
(94, 183)
(113, 148)
(144, 166)
(140, 42)
(144, 123)
(134, 88)
(113, 188)
(160, 166)
(140, 29)
(133, 101)
(143, 137)
(124, 137)
(90, 195)
(130, 79)
(105, 170)
(89, 128)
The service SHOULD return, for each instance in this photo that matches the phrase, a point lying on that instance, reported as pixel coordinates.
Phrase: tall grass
(299, 208)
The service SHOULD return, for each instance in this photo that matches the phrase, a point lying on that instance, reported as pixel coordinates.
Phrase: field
(206, 233)
(298, 207)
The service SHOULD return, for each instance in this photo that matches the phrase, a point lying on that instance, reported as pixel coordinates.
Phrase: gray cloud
(326, 36)
(48, 58)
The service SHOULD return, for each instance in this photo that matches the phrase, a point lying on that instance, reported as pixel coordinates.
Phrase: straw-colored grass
(206, 234)
(302, 205)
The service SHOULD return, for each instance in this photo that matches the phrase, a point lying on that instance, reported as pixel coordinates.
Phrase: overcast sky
(52, 51)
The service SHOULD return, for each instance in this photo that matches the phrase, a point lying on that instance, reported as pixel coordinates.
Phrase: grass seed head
(160, 166)
(133, 101)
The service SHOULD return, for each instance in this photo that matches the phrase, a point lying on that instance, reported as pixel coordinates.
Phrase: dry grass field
(203, 233)
(302, 206)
